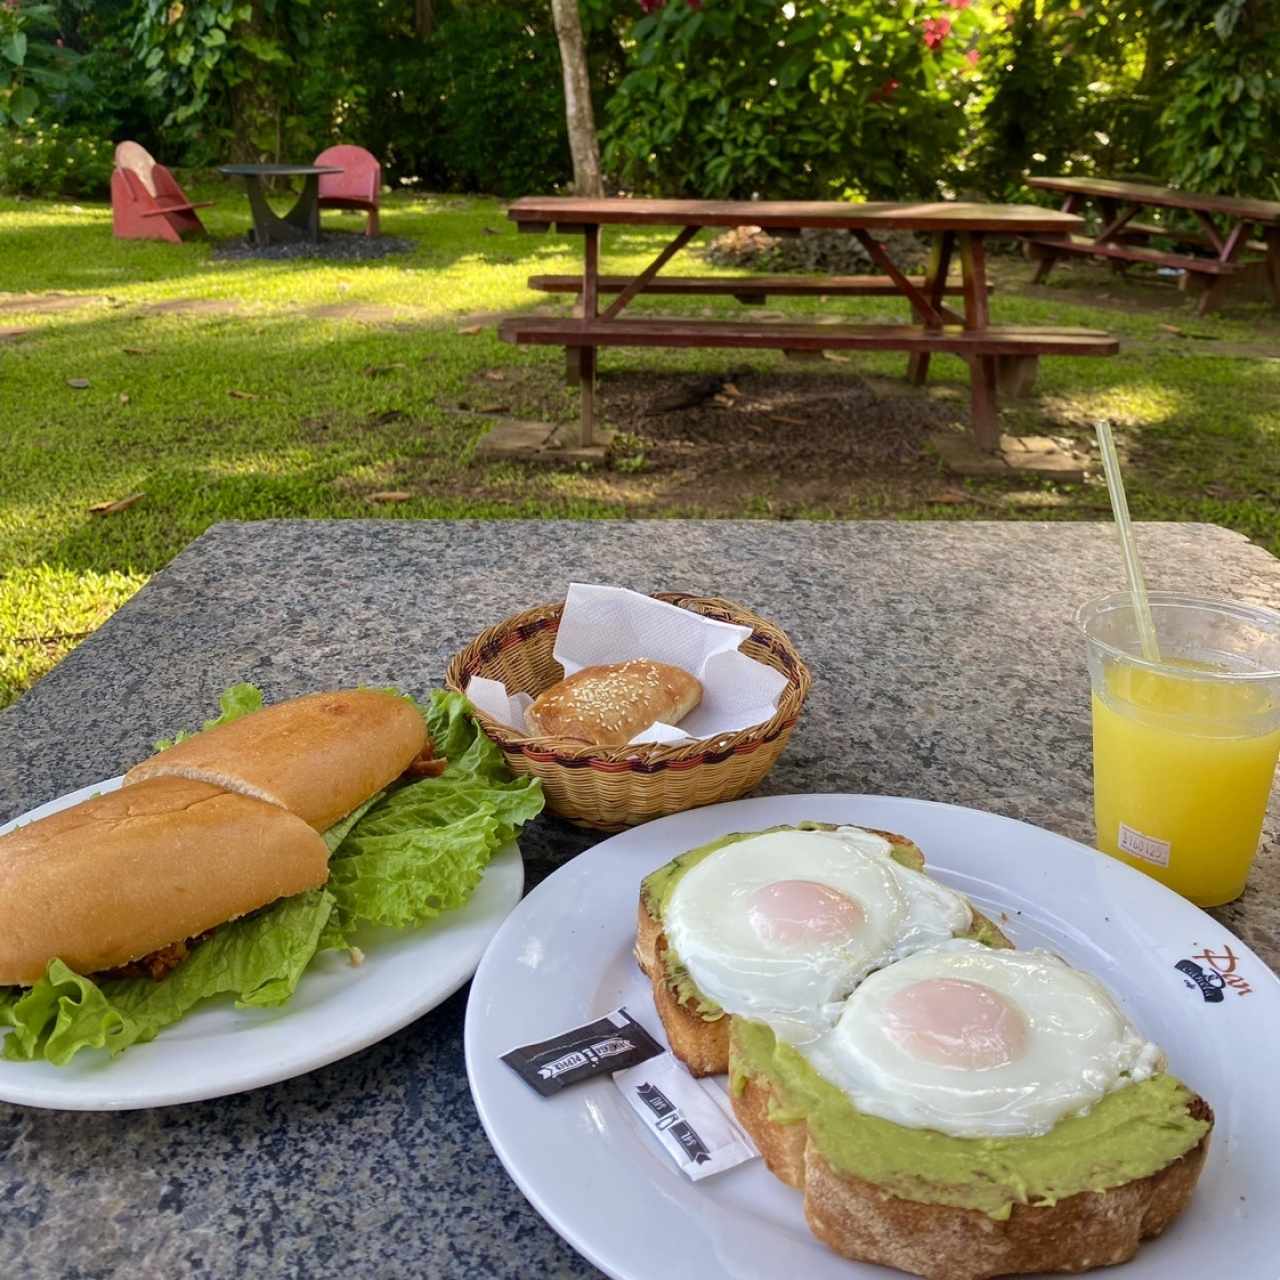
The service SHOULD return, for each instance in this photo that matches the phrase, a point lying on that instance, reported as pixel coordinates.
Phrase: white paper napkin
(611, 624)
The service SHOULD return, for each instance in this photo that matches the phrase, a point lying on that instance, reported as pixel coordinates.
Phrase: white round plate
(337, 1010)
(563, 957)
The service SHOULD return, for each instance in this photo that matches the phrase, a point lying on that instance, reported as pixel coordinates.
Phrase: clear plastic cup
(1184, 749)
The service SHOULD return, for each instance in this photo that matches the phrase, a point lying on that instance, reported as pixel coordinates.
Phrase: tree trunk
(424, 17)
(577, 99)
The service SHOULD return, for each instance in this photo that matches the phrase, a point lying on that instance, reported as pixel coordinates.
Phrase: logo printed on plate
(1214, 972)
(1148, 848)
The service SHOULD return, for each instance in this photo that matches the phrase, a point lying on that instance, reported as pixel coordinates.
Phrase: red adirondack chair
(146, 201)
(356, 187)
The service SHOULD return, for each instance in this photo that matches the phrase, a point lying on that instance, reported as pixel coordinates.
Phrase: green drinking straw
(1124, 527)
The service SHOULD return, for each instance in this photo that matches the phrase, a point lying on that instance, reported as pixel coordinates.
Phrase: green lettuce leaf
(235, 702)
(258, 960)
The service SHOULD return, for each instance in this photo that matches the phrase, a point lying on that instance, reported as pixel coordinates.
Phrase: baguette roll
(318, 756)
(125, 874)
(607, 706)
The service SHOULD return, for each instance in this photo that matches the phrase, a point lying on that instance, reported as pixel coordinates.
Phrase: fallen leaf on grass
(491, 408)
(390, 495)
(134, 351)
(494, 375)
(386, 417)
(950, 498)
(835, 359)
(724, 401)
(241, 395)
(120, 504)
(471, 329)
(378, 370)
(78, 383)
(124, 397)
(1173, 328)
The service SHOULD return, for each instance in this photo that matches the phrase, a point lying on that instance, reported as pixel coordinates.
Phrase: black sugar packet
(599, 1048)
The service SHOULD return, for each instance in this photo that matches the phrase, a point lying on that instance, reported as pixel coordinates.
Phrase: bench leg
(1273, 263)
(1045, 265)
(1212, 295)
(573, 366)
(984, 416)
(587, 367)
(935, 289)
(1016, 375)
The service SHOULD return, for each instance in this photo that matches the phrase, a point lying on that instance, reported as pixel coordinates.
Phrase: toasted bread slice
(862, 1221)
(701, 1040)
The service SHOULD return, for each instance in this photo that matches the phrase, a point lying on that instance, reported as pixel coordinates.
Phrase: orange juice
(1183, 769)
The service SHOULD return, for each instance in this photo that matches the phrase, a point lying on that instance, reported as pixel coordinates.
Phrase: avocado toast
(697, 1027)
(1081, 1186)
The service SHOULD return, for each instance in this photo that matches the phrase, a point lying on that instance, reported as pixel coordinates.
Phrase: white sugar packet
(611, 624)
(692, 1118)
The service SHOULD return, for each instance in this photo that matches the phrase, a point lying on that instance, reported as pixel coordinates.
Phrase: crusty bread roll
(318, 756)
(608, 705)
(124, 874)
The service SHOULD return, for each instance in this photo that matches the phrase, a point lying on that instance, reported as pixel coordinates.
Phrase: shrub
(53, 160)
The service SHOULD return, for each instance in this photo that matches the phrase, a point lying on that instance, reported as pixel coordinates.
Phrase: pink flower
(972, 55)
(936, 30)
(959, 4)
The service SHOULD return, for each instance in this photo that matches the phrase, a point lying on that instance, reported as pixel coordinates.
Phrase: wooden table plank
(536, 212)
(1267, 211)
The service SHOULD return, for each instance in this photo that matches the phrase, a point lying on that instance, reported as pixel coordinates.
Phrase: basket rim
(640, 757)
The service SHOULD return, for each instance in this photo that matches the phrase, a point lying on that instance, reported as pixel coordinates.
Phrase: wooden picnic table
(1000, 358)
(1227, 253)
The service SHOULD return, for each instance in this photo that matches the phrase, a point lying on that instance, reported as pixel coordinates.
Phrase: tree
(579, 115)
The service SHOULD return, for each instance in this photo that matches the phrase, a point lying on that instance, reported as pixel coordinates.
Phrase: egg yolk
(802, 911)
(953, 1023)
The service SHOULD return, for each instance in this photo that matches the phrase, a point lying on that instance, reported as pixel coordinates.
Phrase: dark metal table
(302, 222)
(945, 667)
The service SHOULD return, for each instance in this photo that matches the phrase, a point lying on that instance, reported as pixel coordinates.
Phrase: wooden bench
(1135, 253)
(750, 290)
(1001, 358)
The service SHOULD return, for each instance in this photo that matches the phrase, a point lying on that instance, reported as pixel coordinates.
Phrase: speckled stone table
(945, 666)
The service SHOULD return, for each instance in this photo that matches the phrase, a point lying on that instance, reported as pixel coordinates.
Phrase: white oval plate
(564, 956)
(337, 1010)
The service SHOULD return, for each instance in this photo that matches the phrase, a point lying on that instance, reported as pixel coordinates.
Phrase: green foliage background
(780, 98)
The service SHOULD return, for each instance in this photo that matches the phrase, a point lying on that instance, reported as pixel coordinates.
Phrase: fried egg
(782, 926)
(978, 1042)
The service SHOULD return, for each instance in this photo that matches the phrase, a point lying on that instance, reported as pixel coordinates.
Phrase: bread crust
(318, 756)
(123, 874)
(608, 705)
(861, 1221)
(702, 1044)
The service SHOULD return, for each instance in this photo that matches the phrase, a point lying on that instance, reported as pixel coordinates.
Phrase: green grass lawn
(318, 385)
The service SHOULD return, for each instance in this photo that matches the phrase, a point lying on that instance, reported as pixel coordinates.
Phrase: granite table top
(946, 667)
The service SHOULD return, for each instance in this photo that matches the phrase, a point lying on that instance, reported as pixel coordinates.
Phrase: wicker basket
(610, 788)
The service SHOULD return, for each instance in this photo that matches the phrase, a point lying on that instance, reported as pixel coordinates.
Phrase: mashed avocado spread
(1129, 1134)
(656, 890)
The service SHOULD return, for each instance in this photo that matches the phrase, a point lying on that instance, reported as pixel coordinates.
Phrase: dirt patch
(817, 437)
(192, 307)
(778, 422)
(40, 302)
(345, 246)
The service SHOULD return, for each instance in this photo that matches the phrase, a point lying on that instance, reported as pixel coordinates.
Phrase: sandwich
(606, 706)
(964, 1110)
(231, 858)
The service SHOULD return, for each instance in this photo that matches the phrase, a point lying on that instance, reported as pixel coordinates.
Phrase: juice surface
(1182, 774)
